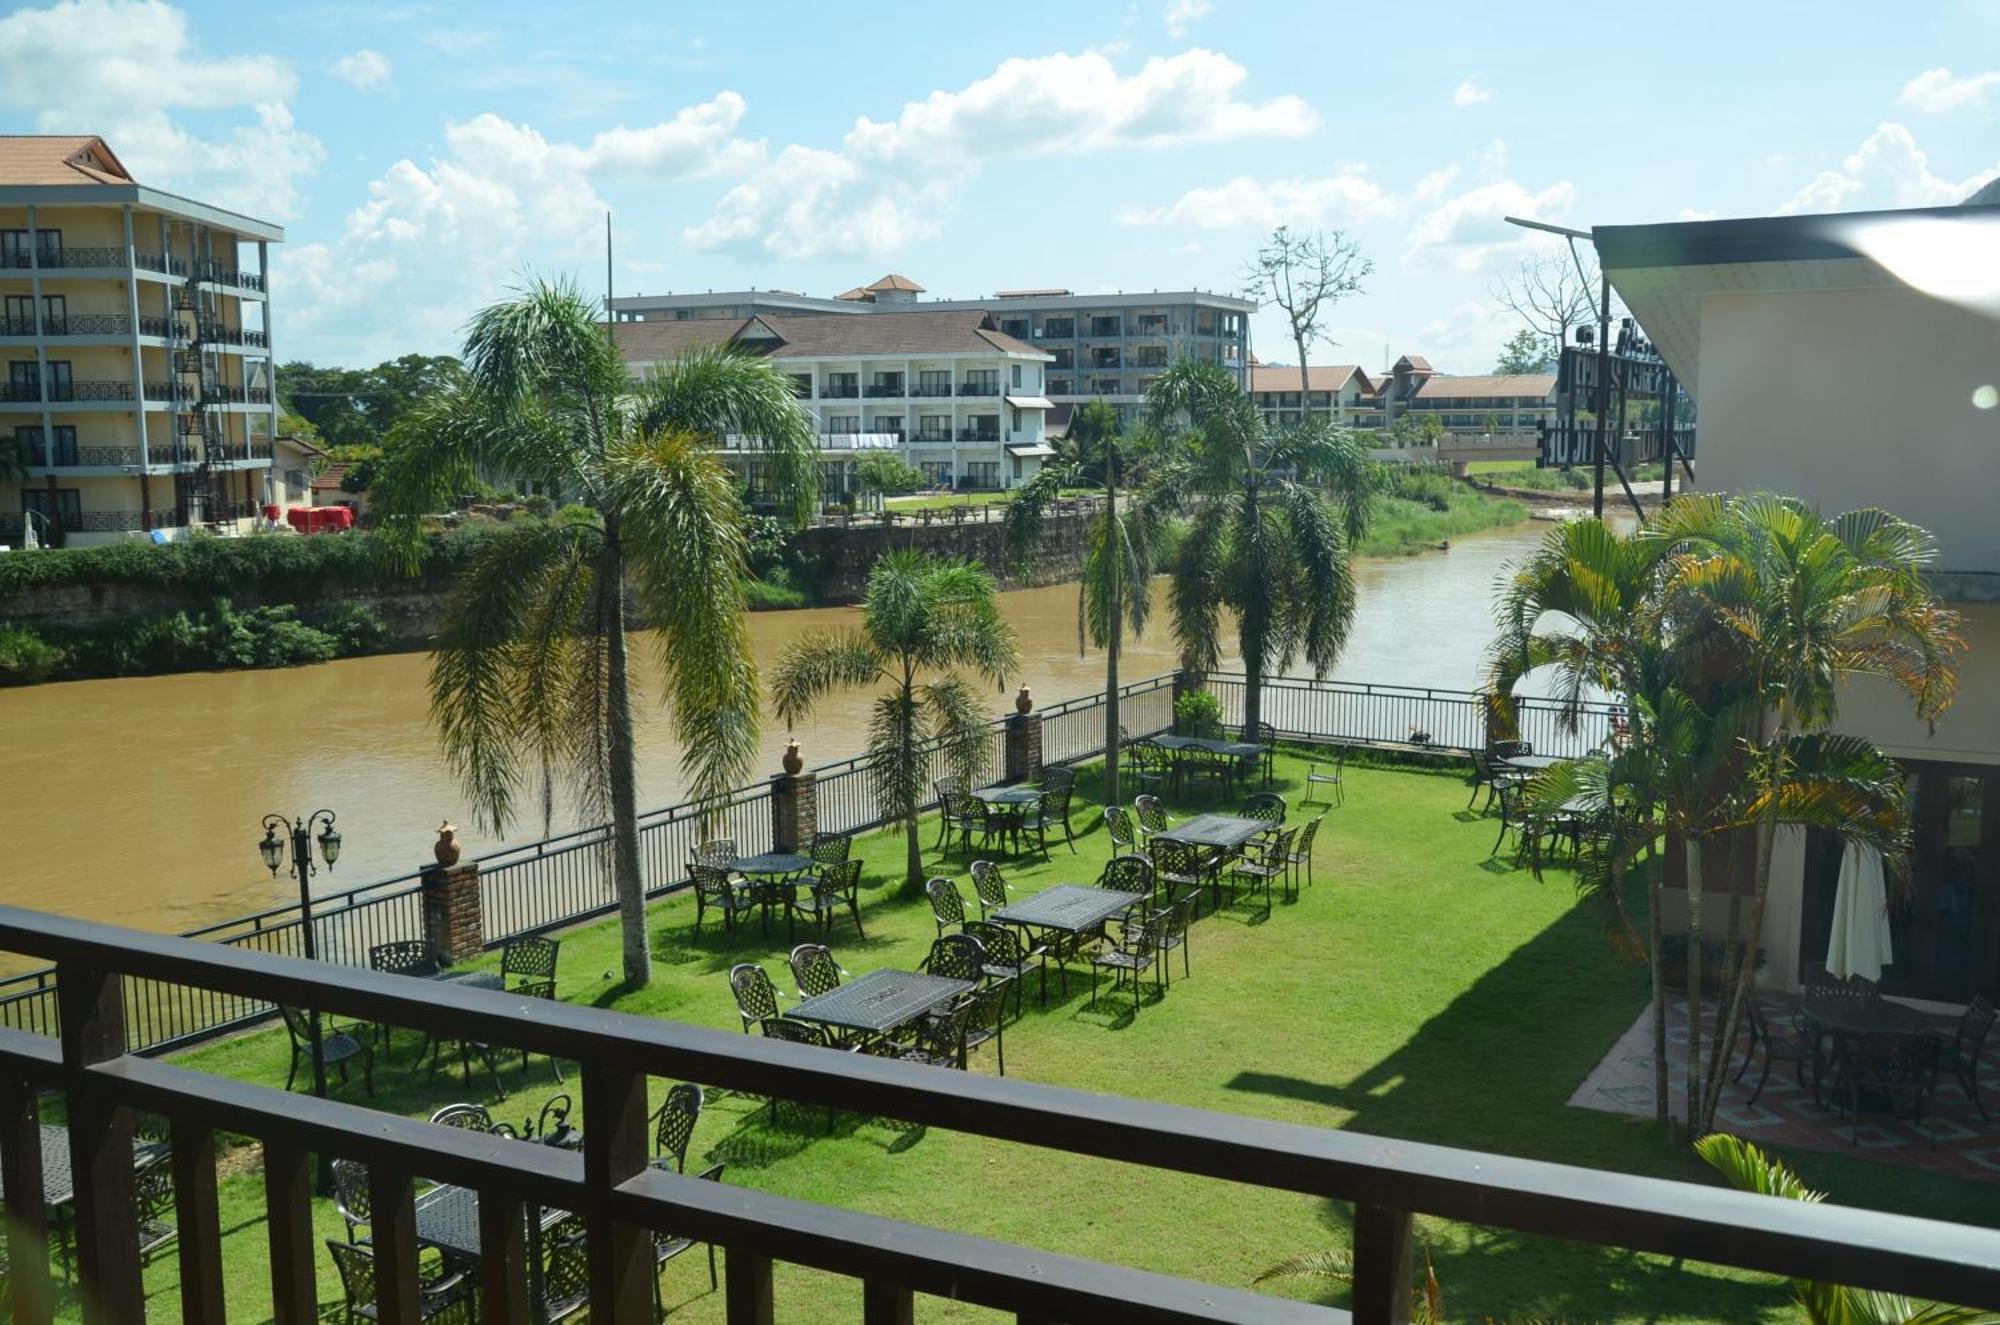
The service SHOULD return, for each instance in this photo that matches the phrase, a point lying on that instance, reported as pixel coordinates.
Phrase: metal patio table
(773, 874)
(448, 1219)
(880, 1001)
(1017, 801)
(1849, 1019)
(58, 1178)
(1531, 763)
(1222, 832)
(1070, 909)
(1232, 751)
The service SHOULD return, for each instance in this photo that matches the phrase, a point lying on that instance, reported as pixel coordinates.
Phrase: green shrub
(25, 657)
(357, 627)
(1198, 713)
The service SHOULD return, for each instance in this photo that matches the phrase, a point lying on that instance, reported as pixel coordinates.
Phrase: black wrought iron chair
(984, 1022)
(716, 888)
(1152, 815)
(1195, 767)
(819, 900)
(1177, 920)
(756, 996)
(1781, 1044)
(947, 907)
(937, 1040)
(153, 1205)
(989, 887)
(1264, 860)
(565, 1280)
(1010, 957)
(337, 1048)
(1129, 874)
(1301, 859)
(718, 852)
(1889, 1069)
(1265, 735)
(799, 1032)
(1960, 1054)
(471, 1118)
(1181, 865)
(1136, 949)
(814, 969)
(437, 1293)
(673, 1123)
(542, 989)
(956, 957)
(1266, 805)
(1052, 810)
(947, 788)
(412, 957)
(1118, 823)
(831, 848)
(1151, 769)
(351, 1200)
(666, 1246)
(532, 958)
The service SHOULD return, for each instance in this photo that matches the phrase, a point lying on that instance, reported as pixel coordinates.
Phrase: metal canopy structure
(1649, 417)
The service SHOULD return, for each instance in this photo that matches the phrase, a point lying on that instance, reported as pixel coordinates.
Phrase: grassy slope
(1415, 992)
(1401, 528)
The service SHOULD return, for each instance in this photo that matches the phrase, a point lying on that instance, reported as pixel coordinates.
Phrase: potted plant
(1198, 713)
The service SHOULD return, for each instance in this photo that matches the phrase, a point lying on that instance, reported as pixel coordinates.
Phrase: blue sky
(424, 157)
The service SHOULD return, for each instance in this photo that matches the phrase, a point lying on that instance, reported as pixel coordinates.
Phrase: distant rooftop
(60, 159)
(914, 331)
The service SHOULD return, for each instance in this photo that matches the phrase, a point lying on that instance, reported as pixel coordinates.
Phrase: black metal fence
(561, 880)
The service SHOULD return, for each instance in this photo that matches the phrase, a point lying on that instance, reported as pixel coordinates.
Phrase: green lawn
(1418, 991)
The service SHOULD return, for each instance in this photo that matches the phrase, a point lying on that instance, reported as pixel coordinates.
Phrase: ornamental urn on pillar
(792, 762)
(1023, 701)
(447, 846)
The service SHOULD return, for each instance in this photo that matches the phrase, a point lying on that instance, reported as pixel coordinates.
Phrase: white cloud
(1183, 14)
(122, 68)
(1081, 103)
(1694, 214)
(1888, 169)
(1939, 91)
(362, 70)
(435, 241)
(1469, 93)
(1247, 203)
(889, 180)
(1468, 230)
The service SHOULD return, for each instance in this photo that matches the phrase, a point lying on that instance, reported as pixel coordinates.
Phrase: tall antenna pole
(609, 318)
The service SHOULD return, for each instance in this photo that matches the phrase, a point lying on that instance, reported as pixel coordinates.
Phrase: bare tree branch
(1305, 275)
(1551, 296)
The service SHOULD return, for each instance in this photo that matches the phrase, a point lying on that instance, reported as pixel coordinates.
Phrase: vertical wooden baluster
(746, 1286)
(288, 1212)
(614, 1149)
(100, 1148)
(27, 1209)
(886, 1304)
(503, 1260)
(392, 1229)
(1382, 1265)
(199, 1220)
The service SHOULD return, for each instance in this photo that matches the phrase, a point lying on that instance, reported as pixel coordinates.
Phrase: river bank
(281, 600)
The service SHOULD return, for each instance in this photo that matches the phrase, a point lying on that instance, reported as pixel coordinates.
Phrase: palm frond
(712, 392)
(818, 663)
(957, 727)
(1331, 1264)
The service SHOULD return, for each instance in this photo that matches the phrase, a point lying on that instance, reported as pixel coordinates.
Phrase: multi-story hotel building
(943, 389)
(1101, 346)
(136, 329)
(1500, 404)
(1333, 393)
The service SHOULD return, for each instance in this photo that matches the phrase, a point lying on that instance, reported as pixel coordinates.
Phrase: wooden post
(392, 1229)
(503, 1260)
(27, 1214)
(199, 1221)
(614, 1149)
(746, 1287)
(1382, 1265)
(288, 1214)
(886, 1304)
(92, 1007)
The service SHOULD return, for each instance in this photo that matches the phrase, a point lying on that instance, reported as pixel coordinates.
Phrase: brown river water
(138, 801)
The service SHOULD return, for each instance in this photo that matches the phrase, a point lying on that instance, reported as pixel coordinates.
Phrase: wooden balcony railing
(621, 1200)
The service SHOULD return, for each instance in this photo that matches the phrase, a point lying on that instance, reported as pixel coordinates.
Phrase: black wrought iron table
(773, 874)
(880, 1001)
(1221, 832)
(448, 1219)
(58, 1179)
(1014, 802)
(1069, 907)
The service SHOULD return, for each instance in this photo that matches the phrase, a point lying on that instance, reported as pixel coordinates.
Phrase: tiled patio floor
(1952, 1138)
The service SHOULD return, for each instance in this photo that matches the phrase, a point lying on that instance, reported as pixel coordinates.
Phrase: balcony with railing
(980, 386)
(980, 432)
(886, 385)
(211, 272)
(62, 393)
(57, 325)
(217, 333)
(936, 387)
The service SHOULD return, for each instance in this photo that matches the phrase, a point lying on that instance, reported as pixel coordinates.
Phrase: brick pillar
(794, 811)
(1024, 741)
(453, 921)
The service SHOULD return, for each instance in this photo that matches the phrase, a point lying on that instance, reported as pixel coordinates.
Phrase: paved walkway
(1786, 1115)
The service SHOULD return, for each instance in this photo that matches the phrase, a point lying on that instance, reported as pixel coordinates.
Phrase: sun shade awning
(1030, 402)
(1025, 449)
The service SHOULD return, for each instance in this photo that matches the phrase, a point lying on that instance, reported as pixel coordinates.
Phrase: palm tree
(1116, 592)
(530, 678)
(1748, 1169)
(1266, 541)
(1795, 604)
(1337, 1266)
(920, 616)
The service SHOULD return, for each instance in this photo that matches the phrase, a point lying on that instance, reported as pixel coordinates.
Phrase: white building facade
(944, 391)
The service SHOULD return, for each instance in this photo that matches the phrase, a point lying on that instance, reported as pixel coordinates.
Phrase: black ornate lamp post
(272, 849)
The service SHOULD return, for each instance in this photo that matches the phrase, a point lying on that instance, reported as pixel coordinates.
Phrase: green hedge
(278, 567)
(216, 635)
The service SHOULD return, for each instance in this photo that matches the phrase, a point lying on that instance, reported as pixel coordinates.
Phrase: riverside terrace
(1294, 1092)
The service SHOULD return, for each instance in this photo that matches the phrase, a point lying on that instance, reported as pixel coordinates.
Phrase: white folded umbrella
(1859, 943)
